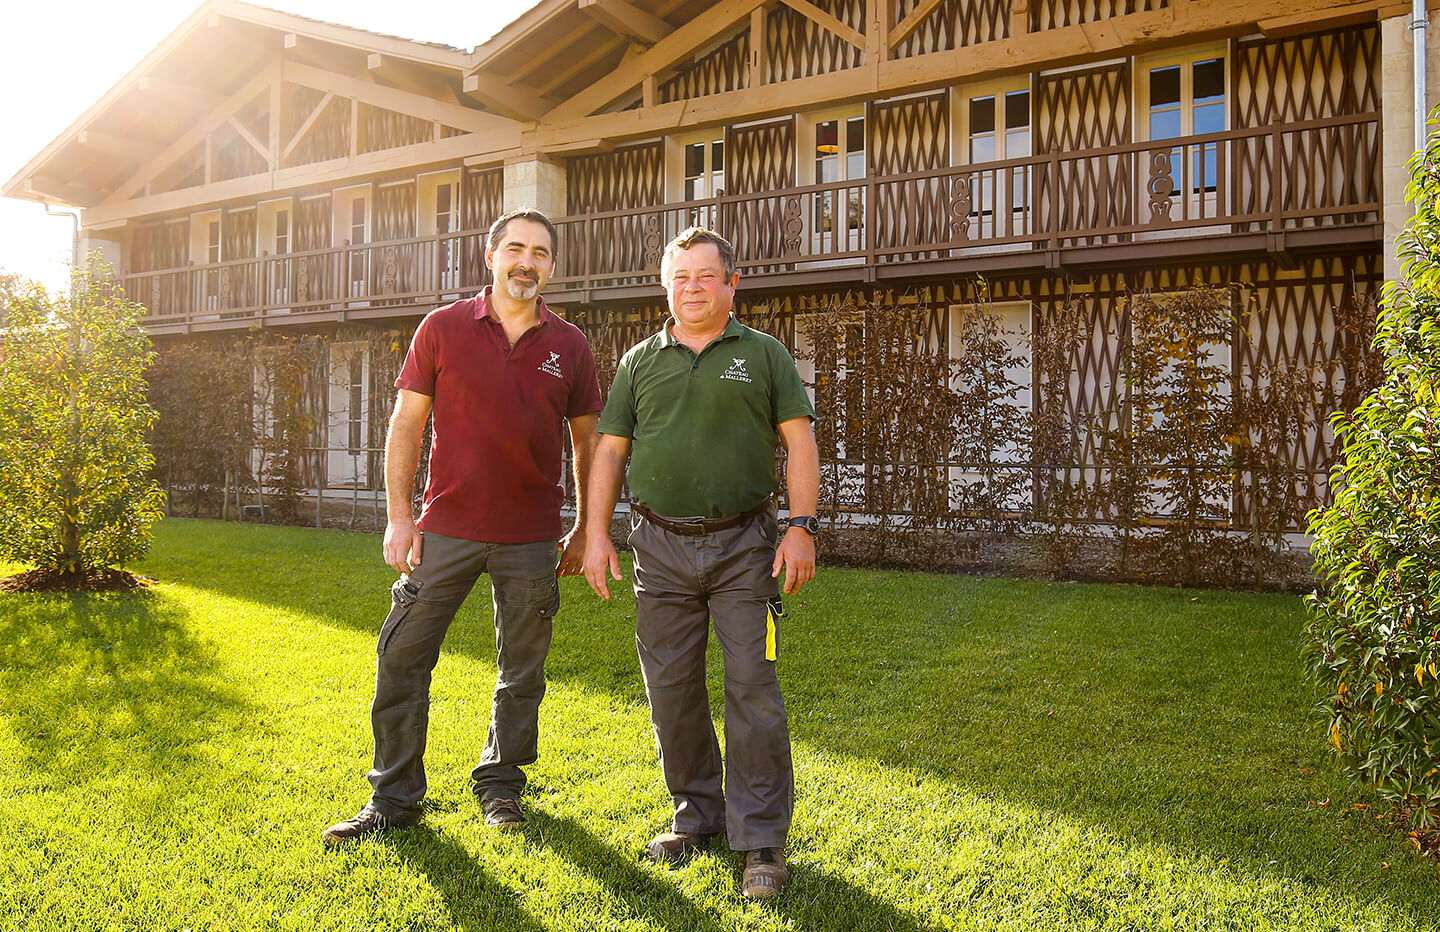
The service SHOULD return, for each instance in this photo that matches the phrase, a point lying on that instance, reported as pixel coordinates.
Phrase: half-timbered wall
(1314, 77)
(395, 269)
(482, 194)
(159, 246)
(1053, 14)
(386, 129)
(798, 47)
(1079, 110)
(726, 68)
(613, 183)
(953, 24)
(910, 135)
(328, 133)
(759, 159)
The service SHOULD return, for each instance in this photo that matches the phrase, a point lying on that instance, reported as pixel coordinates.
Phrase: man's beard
(521, 291)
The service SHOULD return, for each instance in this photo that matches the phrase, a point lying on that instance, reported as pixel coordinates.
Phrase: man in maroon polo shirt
(502, 375)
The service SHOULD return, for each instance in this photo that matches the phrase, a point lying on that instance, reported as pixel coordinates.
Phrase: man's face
(524, 260)
(700, 295)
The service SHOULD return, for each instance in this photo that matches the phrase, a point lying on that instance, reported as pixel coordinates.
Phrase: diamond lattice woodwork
(798, 47)
(951, 25)
(910, 135)
(1053, 14)
(1085, 110)
(727, 68)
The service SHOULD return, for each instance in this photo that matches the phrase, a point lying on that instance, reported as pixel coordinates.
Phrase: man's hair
(497, 229)
(696, 236)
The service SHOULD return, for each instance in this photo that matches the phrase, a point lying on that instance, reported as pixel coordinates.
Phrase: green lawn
(971, 754)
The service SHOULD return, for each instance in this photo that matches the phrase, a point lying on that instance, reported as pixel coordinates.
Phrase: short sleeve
(418, 372)
(585, 389)
(788, 398)
(618, 418)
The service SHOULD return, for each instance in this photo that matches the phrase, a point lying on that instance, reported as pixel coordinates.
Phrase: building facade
(1044, 159)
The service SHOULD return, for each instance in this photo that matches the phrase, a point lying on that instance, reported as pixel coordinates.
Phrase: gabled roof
(211, 56)
(552, 51)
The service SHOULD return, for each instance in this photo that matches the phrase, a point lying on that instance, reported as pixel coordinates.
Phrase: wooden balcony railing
(1316, 175)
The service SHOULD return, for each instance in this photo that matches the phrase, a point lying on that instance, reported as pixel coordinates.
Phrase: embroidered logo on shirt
(552, 366)
(736, 372)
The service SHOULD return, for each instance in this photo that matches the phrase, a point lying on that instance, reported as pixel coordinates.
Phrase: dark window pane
(694, 159)
(717, 156)
(855, 134)
(1165, 86)
(691, 189)
(1209, 80)
(982, 115)
(1017, 109)
(442, 199)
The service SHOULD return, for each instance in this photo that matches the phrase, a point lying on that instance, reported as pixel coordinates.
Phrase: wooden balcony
(1295, 187)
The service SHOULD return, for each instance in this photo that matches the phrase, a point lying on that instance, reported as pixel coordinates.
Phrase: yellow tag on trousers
(775, 608)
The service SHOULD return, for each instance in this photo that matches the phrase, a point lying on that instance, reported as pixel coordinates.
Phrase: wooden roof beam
(827, 22)
(626, 19)
(391, 98)
(51, 189)
(408, 76)
(579, 65)
(662, 55)
(912, 22)
(188, 96)
(135, 150)
(516, 103)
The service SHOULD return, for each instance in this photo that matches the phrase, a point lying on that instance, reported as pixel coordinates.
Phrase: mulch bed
(106, 580)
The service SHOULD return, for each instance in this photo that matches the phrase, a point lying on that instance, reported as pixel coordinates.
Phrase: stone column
(1397, 120)
(535, 181)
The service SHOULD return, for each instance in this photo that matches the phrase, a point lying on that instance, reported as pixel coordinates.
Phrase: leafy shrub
(76, 491)
(1374, 631)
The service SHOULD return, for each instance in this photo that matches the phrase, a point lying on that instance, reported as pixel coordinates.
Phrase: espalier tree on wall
(1374, 630)
(76, 490)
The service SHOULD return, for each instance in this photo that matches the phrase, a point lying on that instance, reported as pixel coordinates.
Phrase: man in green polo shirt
(697, 410)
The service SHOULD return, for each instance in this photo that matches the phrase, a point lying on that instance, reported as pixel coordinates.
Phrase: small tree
(76, 491)
(1374, 630)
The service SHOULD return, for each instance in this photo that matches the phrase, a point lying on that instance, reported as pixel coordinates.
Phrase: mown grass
(971, 754)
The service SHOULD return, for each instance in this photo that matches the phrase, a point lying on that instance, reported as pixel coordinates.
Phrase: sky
(58, 58)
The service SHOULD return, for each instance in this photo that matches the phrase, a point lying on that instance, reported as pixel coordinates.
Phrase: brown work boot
(675, 848)
(502, 813)
(765, 873)
(366, 822)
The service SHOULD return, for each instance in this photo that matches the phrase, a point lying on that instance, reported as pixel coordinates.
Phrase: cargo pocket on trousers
(403, 596)
(549, 606)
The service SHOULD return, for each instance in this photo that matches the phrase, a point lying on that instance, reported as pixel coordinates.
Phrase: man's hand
(796, 555)
(600, 555)
(402, 546)
(572, 552)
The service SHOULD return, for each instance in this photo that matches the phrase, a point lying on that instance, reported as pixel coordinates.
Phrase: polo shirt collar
(733, 329)
(482, 306)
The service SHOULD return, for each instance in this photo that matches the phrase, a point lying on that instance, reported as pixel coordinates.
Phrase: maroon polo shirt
(499, 416)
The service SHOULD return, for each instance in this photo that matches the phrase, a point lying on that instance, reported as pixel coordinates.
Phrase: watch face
(809, 523)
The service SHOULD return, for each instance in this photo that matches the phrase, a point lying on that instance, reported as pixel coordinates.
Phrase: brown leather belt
(699, 526)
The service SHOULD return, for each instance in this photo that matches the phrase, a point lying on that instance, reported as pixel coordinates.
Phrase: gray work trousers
(527, 596)
(682, 582)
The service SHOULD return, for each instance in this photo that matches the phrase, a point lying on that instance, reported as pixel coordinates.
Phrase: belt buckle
(690, 528)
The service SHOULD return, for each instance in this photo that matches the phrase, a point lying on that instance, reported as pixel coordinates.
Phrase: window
(704, 169)
(212, 251)
(447, 221)
(282, 232)
(1182, 95)
(996, 123)
(356, 407)
(839, 153)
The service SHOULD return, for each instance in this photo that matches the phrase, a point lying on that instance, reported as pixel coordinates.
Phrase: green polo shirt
(704, 427)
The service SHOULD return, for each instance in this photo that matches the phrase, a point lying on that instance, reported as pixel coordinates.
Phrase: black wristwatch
(808, 523)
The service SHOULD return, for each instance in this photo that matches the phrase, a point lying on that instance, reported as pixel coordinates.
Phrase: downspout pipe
(1418, 55)
(74, 216)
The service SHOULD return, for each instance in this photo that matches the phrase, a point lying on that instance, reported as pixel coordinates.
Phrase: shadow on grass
(1162, 716)
(814, 900)
(473, 900)
(113, 685)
